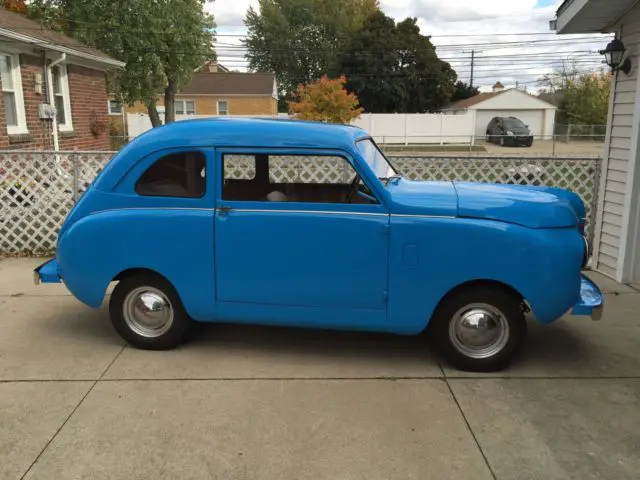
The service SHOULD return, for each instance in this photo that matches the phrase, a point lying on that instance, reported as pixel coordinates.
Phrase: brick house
(41, 69)
(214, 91)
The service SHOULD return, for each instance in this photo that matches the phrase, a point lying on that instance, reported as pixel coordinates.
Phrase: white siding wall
(619, 150)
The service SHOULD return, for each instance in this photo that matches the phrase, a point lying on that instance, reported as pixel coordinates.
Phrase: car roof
(254, 132)
(230, 133)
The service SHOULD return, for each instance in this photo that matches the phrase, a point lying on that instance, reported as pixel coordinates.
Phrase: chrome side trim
(420, 216)
(256, 210)
(153, 208)
(327, 212)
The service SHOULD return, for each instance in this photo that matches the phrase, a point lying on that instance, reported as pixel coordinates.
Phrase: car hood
(534, 207)
(530, 206)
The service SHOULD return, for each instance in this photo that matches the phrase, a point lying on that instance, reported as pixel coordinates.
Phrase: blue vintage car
(305, 224)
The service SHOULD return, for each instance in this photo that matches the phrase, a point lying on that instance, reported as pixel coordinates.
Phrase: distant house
(215, 91)
(41, 69)
(501, 102)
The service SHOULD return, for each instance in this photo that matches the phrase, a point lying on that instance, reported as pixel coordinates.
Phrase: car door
(286, 237)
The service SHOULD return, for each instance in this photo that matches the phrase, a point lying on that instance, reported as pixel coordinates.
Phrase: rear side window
(176, 175)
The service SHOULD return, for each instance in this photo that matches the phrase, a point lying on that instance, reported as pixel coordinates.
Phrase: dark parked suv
(509, 131)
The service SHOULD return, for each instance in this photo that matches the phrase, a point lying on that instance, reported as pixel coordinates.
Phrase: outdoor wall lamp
(613, 54)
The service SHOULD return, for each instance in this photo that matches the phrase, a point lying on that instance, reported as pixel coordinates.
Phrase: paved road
(268, 403)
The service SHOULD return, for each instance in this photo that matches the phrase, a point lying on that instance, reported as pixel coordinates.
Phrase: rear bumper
(48, 272)
(591, 301)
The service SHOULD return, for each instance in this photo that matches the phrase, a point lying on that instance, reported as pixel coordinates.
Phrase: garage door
(533, 118)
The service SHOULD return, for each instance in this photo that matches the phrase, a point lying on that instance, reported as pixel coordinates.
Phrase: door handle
(223, 211)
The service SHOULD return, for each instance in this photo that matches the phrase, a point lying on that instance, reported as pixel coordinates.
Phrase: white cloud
(450, 22)
(230, 13)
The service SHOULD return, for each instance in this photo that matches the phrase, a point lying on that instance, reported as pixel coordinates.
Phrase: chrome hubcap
(479, 330)
(148, 312)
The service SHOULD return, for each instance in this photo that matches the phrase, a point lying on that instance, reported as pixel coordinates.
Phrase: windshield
(376, 160)
(513, 123)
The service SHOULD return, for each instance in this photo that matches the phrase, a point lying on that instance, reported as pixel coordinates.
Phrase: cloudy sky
(493, 28)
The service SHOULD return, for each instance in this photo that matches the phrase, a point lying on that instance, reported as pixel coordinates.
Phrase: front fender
(98, 247)
(543, 265)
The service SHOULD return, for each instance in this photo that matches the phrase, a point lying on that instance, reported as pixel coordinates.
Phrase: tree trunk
(154, 116)
(169, 102)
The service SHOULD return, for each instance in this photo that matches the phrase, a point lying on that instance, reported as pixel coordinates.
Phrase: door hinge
(386, 228)
(385, 296)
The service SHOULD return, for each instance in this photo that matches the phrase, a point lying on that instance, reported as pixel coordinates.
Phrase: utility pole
(473, 64)
(473, 57)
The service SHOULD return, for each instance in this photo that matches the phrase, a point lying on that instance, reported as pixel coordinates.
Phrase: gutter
(59, 48)
(50, 94)
(563, 7)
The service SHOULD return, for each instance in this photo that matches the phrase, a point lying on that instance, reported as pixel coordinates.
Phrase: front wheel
(146, 311)
(480, 329)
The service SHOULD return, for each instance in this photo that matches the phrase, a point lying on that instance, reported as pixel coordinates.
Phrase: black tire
(500, 300)
(166, 339)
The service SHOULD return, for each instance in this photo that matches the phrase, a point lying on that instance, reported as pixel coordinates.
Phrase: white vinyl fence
(401, 128)
(419, 128)
(37, 189)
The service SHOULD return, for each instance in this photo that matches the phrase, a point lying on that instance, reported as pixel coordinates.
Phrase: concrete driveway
(268, 403)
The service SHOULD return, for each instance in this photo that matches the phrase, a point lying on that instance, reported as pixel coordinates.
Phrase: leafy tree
(325, 100)
(161, 41)
(394, 69)
(298, 39)
(371, 63)
(428, 81)
(585, 100)
(556, 81)
(464, 91)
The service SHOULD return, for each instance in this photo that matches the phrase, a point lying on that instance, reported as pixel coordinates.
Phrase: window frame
(18, 95)
(183, 102)
(377, 189)
(111, 112)
(149, 165)
(218, 108)
(67, 126)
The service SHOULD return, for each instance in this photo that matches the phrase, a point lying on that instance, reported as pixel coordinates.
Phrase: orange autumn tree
(325, 100)
(17, 6)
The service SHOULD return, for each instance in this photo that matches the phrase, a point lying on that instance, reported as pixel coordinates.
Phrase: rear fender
(177, 244)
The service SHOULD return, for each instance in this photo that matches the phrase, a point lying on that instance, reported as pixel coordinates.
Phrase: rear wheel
(480, 329)
(146, 311)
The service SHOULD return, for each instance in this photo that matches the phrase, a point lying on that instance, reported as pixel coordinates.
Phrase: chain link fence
(580, 133)
(37, 189)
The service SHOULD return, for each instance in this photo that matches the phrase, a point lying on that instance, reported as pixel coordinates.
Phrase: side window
(175, 175)
(289, 178)
(296, 169)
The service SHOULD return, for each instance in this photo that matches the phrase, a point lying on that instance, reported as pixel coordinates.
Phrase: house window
(12, 94)
(115, 107)
(61, 99)
(175, 175)
(185, 107)
(223, 107)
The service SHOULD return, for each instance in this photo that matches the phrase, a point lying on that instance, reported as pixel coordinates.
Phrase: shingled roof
(20, 28)
(232, 83)
(471, 101)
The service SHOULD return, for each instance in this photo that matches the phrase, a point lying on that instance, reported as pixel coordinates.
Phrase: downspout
(50, 94)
